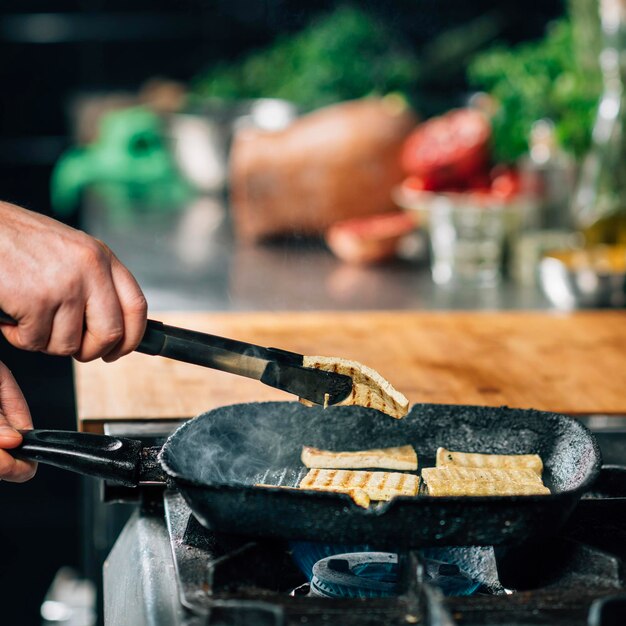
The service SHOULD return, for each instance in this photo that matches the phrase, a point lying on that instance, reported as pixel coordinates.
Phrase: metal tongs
(274, 367)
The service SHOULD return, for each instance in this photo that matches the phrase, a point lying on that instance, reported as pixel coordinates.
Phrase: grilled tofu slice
(472, 474)
(447, 458)
(470, 481)
(359, 496)
(399, 458)
(369, 388)
(377, 485)
(485, 488)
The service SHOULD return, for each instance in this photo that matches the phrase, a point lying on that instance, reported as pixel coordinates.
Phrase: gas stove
(166, 569)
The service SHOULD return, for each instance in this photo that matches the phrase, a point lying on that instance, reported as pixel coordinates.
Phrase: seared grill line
(369, 388)
(378, 485)
(353, 393)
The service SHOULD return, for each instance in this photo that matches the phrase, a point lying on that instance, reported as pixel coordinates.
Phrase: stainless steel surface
(152, 579)
(132, 594)
(190, 562)
(187, 259)
(569, 288)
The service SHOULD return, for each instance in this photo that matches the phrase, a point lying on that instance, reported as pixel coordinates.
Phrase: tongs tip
(315, 385)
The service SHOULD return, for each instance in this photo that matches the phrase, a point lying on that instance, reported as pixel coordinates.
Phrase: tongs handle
(178, 343)
(277, 368)
(190, 345)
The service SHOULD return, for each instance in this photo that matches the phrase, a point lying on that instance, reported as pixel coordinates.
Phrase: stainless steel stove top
(165, 569)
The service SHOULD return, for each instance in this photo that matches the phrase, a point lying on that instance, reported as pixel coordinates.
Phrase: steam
(246, 444)
(254, 443)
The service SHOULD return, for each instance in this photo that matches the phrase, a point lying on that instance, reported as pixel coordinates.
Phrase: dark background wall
(39, 520)
(49, 52)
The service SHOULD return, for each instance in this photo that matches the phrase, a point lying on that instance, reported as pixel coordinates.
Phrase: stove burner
(449, 578)
(356, 575)
(307, 553)
(375, 575)
(455, 571)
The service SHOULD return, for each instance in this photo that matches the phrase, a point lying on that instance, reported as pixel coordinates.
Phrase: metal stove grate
(224, 580)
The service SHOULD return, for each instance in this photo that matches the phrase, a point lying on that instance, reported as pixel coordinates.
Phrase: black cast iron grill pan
(216, 459)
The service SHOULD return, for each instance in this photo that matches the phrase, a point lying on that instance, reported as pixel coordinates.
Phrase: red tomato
(450, 149)
(505, 185)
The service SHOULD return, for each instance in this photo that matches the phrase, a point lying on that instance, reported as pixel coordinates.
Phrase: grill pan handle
(110, 458)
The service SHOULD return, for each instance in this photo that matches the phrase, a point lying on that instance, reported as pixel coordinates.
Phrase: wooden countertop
(568, 363)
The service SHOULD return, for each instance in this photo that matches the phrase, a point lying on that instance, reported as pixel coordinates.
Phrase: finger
(104, 324)
(14, 414)
(16, 470)
(9, 437)
(67, 329)
(134, 310)
(32, 331)
(12, 469)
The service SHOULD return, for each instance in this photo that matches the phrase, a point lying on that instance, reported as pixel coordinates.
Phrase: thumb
(14, 411)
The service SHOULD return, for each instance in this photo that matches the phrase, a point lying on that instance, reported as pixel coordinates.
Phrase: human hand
(68, 292)
(14, 414)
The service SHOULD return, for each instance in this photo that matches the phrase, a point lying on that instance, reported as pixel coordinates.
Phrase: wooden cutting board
(568, 363)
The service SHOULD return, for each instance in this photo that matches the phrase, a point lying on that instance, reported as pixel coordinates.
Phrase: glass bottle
(600, 199)
(547, 183)
(547, 178)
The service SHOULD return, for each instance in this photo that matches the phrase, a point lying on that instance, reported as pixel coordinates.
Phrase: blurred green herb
(535, 80)
(341, 56)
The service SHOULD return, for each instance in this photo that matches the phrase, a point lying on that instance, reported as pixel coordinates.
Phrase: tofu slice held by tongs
(369, 388)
